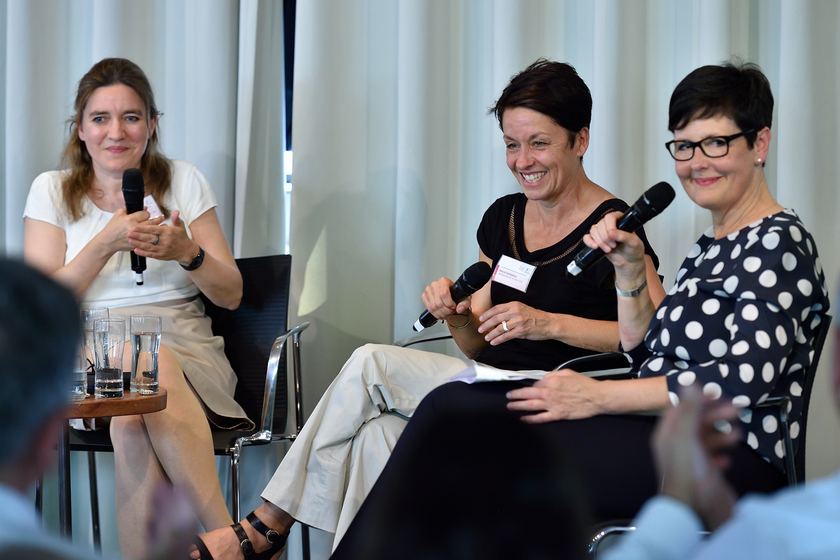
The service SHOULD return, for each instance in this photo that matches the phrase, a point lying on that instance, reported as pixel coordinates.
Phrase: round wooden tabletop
(129, 403)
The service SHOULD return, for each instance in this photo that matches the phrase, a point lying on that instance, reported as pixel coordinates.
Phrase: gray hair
(39, 334)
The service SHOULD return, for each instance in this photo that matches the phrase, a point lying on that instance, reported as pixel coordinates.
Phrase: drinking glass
(84, 361)
(145, 349)
(108, 346)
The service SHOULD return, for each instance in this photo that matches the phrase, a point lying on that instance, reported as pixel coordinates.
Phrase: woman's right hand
(623, 249)
(114, 236)
(438, 299)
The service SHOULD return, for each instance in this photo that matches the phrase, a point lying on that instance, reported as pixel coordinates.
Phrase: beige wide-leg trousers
(344, 445)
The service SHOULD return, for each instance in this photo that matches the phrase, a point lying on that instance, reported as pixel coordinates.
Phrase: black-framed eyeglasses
(713, 146)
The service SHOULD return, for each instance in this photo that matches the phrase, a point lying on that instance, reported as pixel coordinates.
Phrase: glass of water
(78, 387)
(108, 346)
(84, 363)
(145, 350)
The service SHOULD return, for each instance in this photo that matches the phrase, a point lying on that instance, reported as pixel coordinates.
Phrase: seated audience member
(39, 334)
(795, 523)
(738, 321)
(544, 115)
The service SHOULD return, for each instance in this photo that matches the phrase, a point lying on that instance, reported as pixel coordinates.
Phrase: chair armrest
(272, 368)
(405, 344)
(781, 406)
(604, 361)
(427, 335)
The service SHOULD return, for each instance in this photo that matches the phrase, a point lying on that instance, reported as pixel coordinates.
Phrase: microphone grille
(133, 180)
(659, 196)
(477, 274)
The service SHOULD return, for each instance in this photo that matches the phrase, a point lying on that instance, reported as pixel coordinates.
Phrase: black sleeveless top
(590, 295)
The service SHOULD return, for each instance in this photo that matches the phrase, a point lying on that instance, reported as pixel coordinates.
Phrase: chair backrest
(819, 341)
(250, 330)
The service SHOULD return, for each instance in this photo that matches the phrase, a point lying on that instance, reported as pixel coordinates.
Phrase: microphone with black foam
(133, 193)
(650, 204)
(473, 278)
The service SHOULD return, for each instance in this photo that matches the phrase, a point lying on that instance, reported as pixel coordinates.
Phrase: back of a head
(738, 91)
(39, 334)
(552, 88)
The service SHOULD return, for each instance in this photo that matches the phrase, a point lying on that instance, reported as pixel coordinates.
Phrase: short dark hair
(552, 88)
(39, 336)
(739, 91)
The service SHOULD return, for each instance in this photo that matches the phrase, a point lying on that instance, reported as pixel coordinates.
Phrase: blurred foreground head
(39, 333)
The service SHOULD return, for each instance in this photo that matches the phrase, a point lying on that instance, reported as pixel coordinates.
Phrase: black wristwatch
(196, 262)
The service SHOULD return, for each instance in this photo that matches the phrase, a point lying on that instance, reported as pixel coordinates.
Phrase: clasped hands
(689, 449)
(150, 237)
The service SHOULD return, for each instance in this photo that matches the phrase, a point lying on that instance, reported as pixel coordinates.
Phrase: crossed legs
(174, 444)
(345, 443)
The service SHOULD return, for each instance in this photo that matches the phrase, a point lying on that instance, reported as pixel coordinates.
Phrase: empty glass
(108, 345)
(145, 349)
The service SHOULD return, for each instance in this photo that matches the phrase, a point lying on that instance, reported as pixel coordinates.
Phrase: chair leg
(94, 502)
(39, 496)
(234, 482)
(304, 541)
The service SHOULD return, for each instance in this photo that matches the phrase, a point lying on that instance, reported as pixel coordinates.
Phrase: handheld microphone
(650, 204)
(133, 192)
(473, 278)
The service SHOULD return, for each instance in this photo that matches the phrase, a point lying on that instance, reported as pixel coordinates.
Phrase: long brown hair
(156, 169)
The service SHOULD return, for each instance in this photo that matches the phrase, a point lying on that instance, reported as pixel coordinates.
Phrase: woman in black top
(545, 320)
(739, 321)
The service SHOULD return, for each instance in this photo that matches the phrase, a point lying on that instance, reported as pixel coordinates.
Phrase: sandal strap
(244, 542)
(203, 551)
(274, 537)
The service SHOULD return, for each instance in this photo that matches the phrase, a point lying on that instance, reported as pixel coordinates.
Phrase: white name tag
(151, 206)
(513, 273)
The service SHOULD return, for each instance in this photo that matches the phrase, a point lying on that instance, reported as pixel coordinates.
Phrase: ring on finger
(157, 239)
(504, 326)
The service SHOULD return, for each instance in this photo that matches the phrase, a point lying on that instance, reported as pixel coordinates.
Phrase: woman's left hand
(506, 321)
(560, 395)
(163, 242)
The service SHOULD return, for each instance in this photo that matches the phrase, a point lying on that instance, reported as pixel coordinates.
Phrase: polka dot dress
(739, 322)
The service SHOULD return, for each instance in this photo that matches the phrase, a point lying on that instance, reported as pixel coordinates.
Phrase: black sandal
(274, 538)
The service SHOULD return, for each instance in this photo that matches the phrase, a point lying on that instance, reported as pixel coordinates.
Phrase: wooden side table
(91, 407)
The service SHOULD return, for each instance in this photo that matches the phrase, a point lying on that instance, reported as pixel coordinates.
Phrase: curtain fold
(396, 158)
(258, 224)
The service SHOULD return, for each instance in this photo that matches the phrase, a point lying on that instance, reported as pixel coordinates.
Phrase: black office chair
(255, 337)
(794, 458)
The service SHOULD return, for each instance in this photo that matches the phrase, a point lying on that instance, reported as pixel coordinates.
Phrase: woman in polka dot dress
(739, 321)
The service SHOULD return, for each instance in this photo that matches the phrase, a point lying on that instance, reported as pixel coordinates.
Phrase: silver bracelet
(631, 293)
(463, 325)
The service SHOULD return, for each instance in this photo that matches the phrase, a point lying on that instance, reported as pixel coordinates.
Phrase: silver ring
(504, 326)
(157, 239)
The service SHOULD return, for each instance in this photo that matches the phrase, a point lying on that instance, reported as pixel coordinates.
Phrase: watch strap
(196, 262)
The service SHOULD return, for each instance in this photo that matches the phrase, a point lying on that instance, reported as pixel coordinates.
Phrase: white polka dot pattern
(739, 321)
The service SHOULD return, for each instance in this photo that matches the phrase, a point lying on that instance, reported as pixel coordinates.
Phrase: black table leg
(64, 514)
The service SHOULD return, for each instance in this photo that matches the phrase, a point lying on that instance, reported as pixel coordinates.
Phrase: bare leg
(223, 543)
(174, 443)
(137, 472)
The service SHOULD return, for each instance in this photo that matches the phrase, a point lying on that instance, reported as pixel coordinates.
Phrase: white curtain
(216, 67)
(396, 158)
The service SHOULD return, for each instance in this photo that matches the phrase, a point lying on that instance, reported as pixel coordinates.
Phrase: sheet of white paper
(480, 373)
